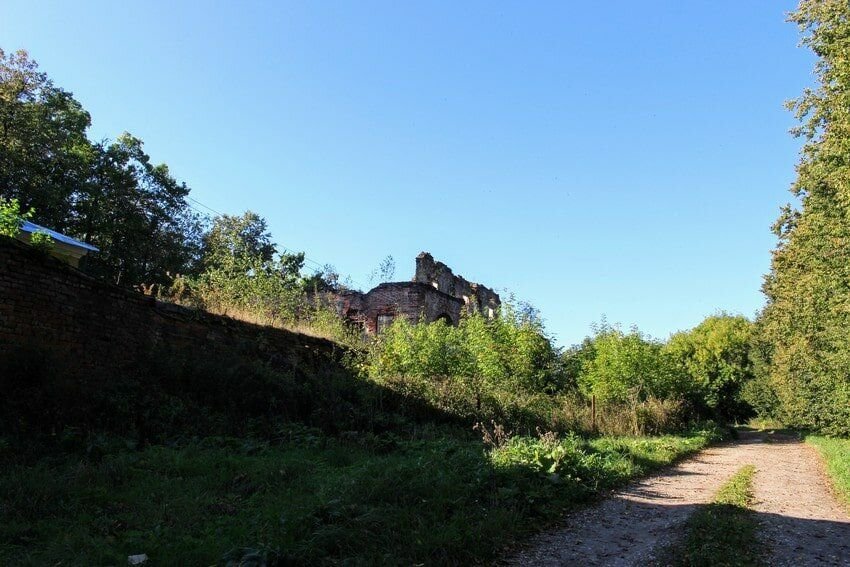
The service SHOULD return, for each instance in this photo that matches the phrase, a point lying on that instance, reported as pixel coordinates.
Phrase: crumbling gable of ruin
(434, 293)
(476, 297)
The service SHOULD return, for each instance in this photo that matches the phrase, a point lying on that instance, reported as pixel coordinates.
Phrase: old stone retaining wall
(47, 304)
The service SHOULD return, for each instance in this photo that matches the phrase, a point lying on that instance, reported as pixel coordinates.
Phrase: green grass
(836, 453)
(723, 533)
(313, 499)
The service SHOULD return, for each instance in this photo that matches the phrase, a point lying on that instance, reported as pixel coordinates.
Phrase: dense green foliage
(723, 532)
(42, 241)
(802, 333)
(504, 369)
(629, 367)
(507, 370)
(715, 355)
(510, 351)
(11, 218)
(240, 268)
(706, 369)
(242, 244)
(836, 453)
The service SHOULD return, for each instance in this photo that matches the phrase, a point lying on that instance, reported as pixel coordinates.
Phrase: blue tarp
(31, 227)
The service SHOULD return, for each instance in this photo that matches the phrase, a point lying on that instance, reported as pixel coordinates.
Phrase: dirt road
(801, 521)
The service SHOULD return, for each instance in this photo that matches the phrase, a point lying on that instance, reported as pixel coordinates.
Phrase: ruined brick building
(434, 293)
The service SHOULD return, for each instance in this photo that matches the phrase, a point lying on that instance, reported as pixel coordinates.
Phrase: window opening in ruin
(383, 322)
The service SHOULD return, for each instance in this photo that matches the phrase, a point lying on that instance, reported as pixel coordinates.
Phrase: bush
(41, 241)
(510, 352)
(629, 367)
(716, 355)
(503, 369)
(11, 217)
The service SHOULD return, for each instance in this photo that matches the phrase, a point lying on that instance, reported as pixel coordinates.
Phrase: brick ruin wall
(389, 300)
(47, 304)
(435, 293)
(477, 297)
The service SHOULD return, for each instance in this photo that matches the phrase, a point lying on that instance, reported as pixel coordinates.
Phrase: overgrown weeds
(310, 498)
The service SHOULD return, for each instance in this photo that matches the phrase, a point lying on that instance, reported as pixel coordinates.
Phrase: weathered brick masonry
(48, 304)
(435, 293)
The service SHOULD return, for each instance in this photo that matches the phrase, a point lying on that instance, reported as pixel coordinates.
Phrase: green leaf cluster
(41, 241)
(707, 367)
(11, 217)
(630, 367)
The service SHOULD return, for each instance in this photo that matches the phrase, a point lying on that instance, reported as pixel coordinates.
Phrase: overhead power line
(316, 267)
(204, 206)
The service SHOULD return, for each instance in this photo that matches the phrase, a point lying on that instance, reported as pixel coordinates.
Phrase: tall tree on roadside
(108, 193)
(804, 329)
(45, 155)
(136, 213)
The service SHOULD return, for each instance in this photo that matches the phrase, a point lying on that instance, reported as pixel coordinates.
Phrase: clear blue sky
(618, 158)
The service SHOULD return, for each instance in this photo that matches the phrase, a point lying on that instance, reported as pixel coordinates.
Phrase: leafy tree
(108, 193)
(238, 244)
(44, 152)
(629, 367)
(242, 270)
(716, 356)
(531, 358)
(576, 359)
(325, 279)
(136, 213)
(803, 329)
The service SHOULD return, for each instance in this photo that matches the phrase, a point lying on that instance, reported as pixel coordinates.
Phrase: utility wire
(319, 268)
(204, 206)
